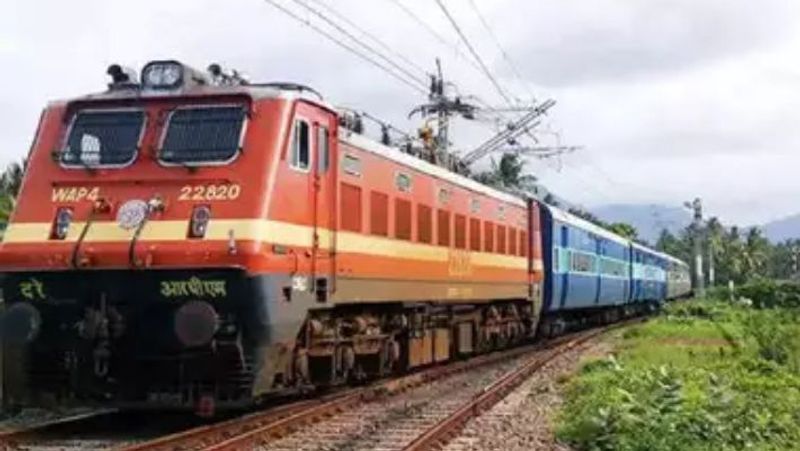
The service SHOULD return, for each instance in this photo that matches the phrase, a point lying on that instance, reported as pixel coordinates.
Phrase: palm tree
(508, 174)
(756, 252)
(10, 184)
(11, 179)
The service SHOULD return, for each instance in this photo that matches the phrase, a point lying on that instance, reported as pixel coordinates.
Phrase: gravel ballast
(524, 419)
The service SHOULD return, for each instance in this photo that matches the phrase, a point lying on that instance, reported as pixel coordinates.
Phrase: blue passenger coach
(588, 265)
(648, 274)
(590, 270)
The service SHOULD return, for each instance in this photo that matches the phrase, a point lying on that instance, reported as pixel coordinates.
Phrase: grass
(705, 375)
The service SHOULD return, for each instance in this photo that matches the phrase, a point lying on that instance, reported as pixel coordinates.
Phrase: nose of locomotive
(20, 324)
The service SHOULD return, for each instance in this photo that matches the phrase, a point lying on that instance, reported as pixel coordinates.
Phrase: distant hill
(649, 219)
(783, 229)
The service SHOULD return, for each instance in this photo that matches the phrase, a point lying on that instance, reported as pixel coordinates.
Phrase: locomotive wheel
(390, 356)
(301, 374)
(347, 361)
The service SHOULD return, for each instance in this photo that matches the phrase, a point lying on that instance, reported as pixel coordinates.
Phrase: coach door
(324, 208)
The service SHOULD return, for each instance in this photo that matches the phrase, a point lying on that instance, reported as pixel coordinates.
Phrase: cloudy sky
(671, 99)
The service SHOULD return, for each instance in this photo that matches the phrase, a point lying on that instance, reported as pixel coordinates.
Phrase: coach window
(582, 262)
(323, 150)
(301, 146)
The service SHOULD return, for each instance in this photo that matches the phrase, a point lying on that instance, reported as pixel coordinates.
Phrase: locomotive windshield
(202, 135)
(99, 138)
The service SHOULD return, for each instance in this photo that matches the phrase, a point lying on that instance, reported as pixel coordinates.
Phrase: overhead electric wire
(442, 40)
(369, 35)
(465, 40)
(496, 115)
(502, 50)
(361, 43)
(346, 46)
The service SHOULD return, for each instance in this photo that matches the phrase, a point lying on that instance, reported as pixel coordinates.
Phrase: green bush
(771, 294)
(676, 386)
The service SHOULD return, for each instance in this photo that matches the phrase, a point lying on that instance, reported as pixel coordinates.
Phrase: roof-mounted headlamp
(170, 74)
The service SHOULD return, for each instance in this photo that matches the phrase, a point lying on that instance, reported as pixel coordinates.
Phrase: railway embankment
(720, 373)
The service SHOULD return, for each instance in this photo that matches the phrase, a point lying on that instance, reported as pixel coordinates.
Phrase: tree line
(739, 254)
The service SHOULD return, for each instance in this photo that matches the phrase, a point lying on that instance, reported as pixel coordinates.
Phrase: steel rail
(245, 432)
(24, 434)
(441, 433)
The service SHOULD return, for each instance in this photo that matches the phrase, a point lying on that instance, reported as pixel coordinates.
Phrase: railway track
(57, 433)
(102, 429)
(245, 432)
(414, 412)
(13, 438)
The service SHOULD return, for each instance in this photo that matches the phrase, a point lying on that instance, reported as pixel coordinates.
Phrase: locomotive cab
(135, 260)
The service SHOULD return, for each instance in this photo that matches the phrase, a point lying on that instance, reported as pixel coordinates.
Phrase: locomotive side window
(402, 219)
(301, 146)
(379, 213)
(424, 224)
(461, 232)
(488, 236)
(199, 135)
(474, 234)
(351, 208)
(103, 138)
(323, 149)
(501, 239)
(443, 227)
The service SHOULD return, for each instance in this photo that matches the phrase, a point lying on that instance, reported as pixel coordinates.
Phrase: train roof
(659, 254)
(672, 259)
(571, 219)
(255, 92)
(375, 147)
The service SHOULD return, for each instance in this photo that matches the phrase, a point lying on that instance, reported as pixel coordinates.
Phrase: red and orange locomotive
(191, 240)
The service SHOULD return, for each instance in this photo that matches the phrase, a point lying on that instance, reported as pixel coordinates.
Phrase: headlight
(21, 323)
(163, 75)
(195, 324)
(61, 223)
(199, 222)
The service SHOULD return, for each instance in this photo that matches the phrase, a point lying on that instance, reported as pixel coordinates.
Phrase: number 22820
(210, 192)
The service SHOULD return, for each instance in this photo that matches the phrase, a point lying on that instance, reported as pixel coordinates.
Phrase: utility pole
(440, 107)
(697, 228)
(711, 274)
(796, 261)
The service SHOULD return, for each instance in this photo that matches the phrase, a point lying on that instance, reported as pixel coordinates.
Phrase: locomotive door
(324, 206)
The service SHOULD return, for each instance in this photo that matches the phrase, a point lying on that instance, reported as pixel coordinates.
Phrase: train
(190, 240)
